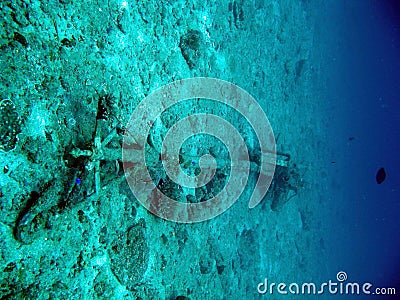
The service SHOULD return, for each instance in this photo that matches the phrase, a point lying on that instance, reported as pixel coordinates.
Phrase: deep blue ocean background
(363, 62)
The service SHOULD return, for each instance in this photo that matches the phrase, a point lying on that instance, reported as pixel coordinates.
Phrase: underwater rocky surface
(72, 72)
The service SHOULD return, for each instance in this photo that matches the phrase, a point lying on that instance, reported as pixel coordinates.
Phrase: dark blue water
(364, 46)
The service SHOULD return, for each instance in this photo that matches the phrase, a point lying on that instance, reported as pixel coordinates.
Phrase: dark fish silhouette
(380, 175)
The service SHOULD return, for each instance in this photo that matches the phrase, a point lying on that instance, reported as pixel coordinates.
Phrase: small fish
(352, 138)
(380, 176)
